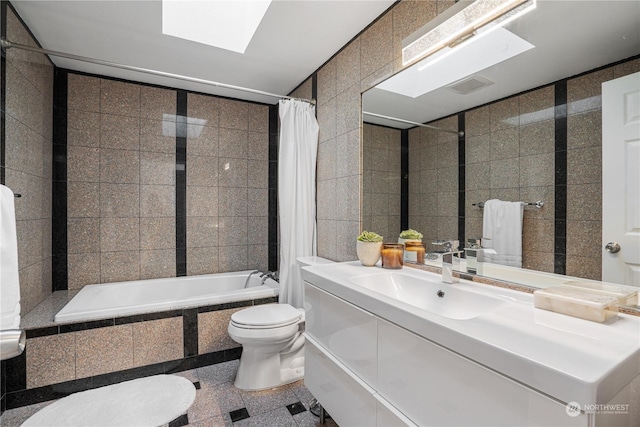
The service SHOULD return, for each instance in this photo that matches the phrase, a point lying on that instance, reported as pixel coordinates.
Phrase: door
(621, 180)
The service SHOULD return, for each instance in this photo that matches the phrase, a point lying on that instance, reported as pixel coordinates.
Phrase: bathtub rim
(270, 289)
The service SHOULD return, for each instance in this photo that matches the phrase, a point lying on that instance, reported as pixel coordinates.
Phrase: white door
(621, 180)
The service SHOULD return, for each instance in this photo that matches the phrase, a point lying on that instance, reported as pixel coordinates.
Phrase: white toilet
(272, 342)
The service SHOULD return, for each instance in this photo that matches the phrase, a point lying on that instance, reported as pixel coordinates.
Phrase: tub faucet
(246, 282)
(269, 275)
(450, 262)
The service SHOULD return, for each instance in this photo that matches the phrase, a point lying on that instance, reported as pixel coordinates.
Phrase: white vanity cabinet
(436, 387)
(366, 371)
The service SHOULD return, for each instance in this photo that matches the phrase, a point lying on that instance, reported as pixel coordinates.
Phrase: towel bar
(537, 204)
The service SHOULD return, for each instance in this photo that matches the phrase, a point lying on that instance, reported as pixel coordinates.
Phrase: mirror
(512, 149)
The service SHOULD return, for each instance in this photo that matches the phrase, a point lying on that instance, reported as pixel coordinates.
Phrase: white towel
(502, 232)
(9, 280)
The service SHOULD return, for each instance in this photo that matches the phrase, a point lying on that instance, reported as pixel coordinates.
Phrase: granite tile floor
(219, 403)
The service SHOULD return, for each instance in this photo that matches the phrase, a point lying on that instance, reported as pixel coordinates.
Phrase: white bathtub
(109, 300)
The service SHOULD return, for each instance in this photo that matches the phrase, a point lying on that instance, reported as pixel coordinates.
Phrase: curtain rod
(412, 123)
(6, 44)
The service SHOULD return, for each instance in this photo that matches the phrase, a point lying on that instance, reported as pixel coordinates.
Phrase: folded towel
(9, 280)
(502, 232)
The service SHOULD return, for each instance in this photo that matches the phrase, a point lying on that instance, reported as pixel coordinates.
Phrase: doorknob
(612, 247)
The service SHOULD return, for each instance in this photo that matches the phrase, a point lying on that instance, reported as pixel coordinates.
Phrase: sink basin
(453, 302)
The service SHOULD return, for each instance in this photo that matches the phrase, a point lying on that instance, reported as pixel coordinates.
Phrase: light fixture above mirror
(462, 21)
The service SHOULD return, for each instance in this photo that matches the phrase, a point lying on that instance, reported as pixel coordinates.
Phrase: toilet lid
(267, 315)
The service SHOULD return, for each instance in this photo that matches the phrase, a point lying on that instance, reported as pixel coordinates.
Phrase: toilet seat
(267, 316)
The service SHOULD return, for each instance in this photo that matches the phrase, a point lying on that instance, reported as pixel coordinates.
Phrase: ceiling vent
(469, 85)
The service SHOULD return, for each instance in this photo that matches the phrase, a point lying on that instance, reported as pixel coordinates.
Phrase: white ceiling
(570, 37)
(293, 40)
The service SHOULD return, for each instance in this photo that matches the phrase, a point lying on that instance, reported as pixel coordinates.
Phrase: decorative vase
(408, 255)
(368, 252)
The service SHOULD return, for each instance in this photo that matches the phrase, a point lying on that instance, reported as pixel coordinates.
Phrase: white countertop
(569, 359)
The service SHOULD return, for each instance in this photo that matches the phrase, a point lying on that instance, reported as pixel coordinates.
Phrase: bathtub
(109, 300)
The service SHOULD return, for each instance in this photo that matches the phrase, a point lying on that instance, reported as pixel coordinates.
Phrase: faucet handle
(449, 245)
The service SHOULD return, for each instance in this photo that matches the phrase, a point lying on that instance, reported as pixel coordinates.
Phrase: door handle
(612, 247)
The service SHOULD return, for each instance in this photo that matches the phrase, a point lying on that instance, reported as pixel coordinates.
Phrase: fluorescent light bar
(467, 59)
(463, 24)
(226, 24)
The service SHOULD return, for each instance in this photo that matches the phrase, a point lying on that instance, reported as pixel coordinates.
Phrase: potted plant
(368, 248)
(410, 235)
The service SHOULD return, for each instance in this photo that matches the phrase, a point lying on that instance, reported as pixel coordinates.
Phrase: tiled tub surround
(60, 359)
(123, 219)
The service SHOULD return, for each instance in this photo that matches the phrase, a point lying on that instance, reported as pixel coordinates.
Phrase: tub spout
(246, 282)
(269, 275)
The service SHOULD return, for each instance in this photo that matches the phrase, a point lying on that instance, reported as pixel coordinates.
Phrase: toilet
(272, 342)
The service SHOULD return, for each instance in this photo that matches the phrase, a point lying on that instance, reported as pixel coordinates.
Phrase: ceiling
(293, 40)
(570, 37)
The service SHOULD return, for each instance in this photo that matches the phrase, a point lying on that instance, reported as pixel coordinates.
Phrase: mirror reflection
(532, 132)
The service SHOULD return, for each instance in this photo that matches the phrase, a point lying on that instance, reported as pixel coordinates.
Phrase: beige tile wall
(433, 181)
(368, 59)
(381, 181)
(74, 355)
(121, 182)
(28, 160)
(227, 185)
(510, 155)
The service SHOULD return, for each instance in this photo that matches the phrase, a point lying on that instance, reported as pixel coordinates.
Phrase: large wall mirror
(532, 132)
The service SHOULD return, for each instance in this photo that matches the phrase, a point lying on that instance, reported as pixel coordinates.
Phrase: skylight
(225, 24)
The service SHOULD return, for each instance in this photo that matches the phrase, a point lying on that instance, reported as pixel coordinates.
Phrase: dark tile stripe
(560, 232)
(404, 180)
(190, 332)
(181, 421)
(181, 183)
(461, 179)
(273, 188)
(59, 245)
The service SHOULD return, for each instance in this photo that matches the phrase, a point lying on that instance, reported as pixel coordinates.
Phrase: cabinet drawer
(346, 331)
(349, 401)
(434, 386)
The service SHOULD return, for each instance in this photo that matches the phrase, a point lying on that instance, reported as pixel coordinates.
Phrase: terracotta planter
(368, 252)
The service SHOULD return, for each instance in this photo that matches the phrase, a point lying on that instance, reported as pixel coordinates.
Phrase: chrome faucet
(474, 255)
(269, 275)
(450, 262)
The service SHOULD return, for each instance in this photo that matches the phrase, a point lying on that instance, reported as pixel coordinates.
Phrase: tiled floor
(218, 402)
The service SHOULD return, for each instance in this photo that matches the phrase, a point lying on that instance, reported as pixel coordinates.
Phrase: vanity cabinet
(366, 371)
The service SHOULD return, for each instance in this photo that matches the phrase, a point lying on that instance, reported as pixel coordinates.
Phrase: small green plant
(410, 234)
(369, 236)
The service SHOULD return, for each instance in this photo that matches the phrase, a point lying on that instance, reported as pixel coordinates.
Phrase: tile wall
(27, 144)
(510, 155)
(381, 181)
(122, 211)
(433, 181)
(372, 56)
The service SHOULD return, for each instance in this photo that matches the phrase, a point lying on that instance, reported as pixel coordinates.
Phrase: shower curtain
(296, 194)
